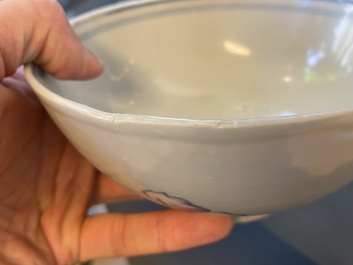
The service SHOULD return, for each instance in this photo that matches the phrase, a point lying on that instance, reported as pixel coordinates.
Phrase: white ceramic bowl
(232, 106)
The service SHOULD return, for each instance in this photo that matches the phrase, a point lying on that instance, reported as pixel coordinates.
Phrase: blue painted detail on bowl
(179, 203)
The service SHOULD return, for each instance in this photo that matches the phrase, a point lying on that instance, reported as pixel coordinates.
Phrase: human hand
(46, 186)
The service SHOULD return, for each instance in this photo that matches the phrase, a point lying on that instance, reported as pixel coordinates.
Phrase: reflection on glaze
(237, 49)
(331, 59)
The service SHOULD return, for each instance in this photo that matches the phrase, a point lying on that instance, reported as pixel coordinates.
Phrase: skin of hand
(46, 186)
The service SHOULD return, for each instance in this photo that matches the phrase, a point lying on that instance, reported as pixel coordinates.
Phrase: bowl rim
(31, 70)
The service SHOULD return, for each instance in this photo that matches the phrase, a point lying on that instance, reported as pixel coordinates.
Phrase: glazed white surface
(162, 122)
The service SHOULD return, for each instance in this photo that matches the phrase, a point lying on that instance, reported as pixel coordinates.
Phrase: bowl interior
(217, 59)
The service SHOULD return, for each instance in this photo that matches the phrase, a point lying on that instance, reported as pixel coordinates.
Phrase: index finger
(121, 235)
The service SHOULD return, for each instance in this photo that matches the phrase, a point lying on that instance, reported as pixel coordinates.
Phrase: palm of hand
(45, 185)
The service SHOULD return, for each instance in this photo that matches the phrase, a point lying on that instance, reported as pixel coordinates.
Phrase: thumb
(37, 31)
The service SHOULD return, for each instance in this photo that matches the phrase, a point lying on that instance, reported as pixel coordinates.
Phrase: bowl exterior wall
(236, 170)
